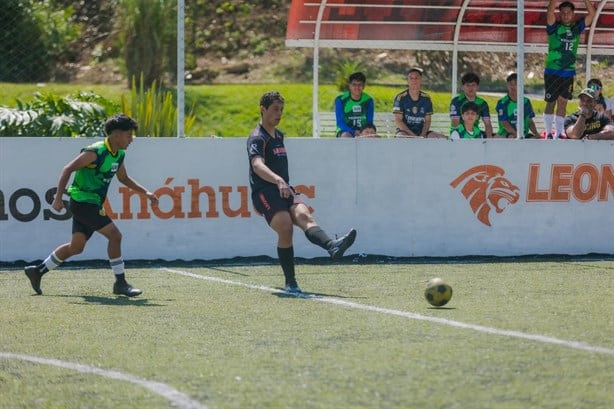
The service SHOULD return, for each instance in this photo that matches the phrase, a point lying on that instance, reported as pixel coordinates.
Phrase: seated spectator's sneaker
(293, 289)
(340, 245)
(123, 288)
(34, 275)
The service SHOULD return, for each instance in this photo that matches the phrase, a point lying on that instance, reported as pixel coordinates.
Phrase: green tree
(149, 37)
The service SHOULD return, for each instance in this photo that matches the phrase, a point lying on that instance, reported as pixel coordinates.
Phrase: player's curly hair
(120, 121)
(267, 99)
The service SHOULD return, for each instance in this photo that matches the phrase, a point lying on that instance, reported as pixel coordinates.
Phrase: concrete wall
(405, 197)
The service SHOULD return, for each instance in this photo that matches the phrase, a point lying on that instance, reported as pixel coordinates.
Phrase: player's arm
(550, 16)
(370, 112)
(487, 126)
(265, 173)
(508, 128)
(576, 130)
(80, 161)
(485, 114)
(606, 133)
(122, 176)
(591, 12)
(398, 119)
(426, 125)
(340, 117)
(455, 118)
(533, 127)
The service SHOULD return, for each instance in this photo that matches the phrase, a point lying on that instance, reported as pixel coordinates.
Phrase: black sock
(120, 277)
(286, 259)
(318, 237)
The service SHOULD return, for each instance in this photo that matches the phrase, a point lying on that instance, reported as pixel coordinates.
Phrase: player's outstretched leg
(339, 246)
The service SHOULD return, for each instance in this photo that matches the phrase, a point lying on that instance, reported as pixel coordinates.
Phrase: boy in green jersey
(507, 111)
(94, 169)
(354, 109)
(468, 129)
(470, 86)
(560, 70)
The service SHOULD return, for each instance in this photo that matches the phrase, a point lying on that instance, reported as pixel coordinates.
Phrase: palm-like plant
(82, 114)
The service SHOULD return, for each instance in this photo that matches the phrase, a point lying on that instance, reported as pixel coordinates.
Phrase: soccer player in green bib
(563, 39)
(94, 169)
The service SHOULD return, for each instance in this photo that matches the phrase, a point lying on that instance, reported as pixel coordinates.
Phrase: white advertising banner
(406, 198)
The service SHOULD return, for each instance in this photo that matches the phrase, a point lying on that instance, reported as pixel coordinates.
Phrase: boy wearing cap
(560, 70)
(587, 122)
(413, 108)
(507, 110)
(602, 104)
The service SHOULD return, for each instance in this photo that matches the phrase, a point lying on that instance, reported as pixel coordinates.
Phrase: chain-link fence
(70, 40)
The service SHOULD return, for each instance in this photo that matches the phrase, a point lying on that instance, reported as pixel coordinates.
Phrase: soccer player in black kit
(273, 197)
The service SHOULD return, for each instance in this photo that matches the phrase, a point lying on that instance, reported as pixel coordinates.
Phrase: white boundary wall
(396, 192)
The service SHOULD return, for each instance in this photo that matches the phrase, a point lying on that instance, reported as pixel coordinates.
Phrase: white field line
(411, 315)
(177, 398)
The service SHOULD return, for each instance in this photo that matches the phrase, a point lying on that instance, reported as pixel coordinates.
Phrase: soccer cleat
(123, 288)
(339, 246)
(34, 275)
(293, 289)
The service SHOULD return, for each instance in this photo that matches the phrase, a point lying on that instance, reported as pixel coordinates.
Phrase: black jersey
(595, 123)
(272, 150)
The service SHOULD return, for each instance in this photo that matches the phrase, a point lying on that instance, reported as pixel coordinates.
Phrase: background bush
(45, 35)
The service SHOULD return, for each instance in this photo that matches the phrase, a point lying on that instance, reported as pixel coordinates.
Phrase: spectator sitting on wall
(587, 122)
(602, 104)
(507, 111)
(413, 109)
(354, 108)
(470, 86)
(468, 129)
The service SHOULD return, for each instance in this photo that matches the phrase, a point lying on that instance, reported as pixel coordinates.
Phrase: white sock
(560, 124)
(52, 261)
(548, 122)
(117, 265)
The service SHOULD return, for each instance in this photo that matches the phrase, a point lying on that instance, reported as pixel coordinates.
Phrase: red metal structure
(449, 25)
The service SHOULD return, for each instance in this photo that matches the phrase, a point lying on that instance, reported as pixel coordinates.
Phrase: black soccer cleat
(123, 288)
(340, 245)
(34, 275)
(293, 289)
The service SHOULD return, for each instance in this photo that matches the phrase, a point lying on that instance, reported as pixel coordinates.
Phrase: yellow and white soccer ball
(437, 292)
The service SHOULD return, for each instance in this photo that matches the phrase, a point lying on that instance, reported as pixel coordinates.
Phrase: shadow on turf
(113, 300)
(304, 294)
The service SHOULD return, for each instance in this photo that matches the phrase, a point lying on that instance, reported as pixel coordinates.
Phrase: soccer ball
(437, 292)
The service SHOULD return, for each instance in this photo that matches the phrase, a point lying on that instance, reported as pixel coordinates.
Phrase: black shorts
(558, 87)
(268, 202)
(88, 218)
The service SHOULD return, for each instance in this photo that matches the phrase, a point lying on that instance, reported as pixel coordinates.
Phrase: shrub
(154, 109)
(82, 114)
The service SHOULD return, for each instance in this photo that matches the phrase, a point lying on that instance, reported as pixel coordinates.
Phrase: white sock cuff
(117, 265)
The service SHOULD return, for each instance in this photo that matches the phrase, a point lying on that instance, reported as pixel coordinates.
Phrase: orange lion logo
(486, 189)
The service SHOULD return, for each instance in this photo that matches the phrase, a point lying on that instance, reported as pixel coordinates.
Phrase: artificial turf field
(518, 333)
